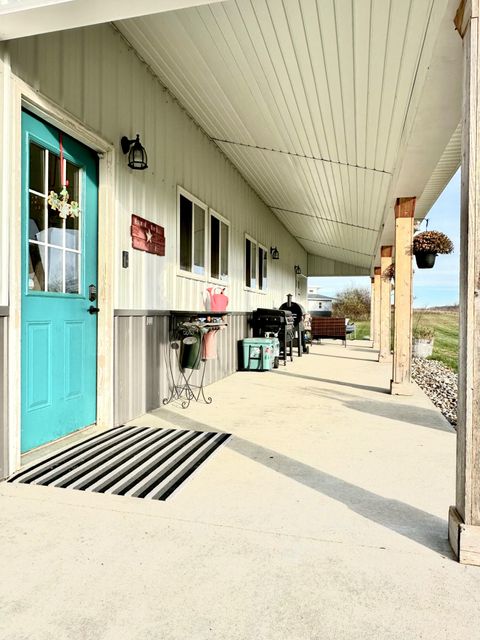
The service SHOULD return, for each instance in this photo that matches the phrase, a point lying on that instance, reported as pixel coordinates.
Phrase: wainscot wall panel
(95, 75)
(3, 394)
(146, 366)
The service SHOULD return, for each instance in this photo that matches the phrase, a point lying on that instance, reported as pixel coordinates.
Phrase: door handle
(93, 309)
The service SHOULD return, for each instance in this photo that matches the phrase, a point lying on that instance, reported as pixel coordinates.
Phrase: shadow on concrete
(420, 526)
(374, 357)
(417, 525)
(353, 385)
(392, 410)
(413, 415)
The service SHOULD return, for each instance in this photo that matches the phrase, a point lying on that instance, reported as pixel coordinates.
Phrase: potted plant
(422, 343)
(427, 245)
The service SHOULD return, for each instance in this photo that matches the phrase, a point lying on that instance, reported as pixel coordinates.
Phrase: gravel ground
(439, 383)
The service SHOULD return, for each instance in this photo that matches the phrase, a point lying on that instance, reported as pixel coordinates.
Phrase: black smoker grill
(275, 322)
(302, 333)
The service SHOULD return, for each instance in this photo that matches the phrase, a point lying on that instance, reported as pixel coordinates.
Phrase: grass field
(445, 325)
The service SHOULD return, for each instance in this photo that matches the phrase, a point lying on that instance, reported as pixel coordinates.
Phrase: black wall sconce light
(298, 269)
(137, 156)
(274, 253)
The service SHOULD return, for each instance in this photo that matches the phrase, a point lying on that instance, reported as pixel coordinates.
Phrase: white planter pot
(422, 348)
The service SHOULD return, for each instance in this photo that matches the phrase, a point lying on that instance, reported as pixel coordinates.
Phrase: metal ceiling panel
(308, 98)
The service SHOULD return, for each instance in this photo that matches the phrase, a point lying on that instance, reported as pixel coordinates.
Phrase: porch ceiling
(314, 102)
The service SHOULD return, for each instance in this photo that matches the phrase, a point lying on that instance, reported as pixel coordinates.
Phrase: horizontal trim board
(4, 311)
(132, 313)
(140, 312)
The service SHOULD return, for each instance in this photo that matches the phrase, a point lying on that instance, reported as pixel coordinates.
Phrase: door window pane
(55, 270)
(55, 228)
(71, 272)
(37, 168)
(36, 222)
(185, 234)
(199, 240)
(72, 233)
(54, 173)
(73, 180)
(36, 271)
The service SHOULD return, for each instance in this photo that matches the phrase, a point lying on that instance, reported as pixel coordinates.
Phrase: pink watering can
(218, 301)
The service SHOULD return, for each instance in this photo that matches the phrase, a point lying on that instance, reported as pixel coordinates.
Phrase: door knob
(93, 309)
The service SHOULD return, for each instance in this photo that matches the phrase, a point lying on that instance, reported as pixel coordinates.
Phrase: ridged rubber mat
(140, 462)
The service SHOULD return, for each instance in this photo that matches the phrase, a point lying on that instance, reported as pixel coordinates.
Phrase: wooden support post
(376, 312)
(385, 352)
(464, 517)
(402, 340)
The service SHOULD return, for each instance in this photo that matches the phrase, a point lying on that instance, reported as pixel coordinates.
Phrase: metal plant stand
(186, 326)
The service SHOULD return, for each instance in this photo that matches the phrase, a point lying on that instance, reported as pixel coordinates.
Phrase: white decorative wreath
(61, 204)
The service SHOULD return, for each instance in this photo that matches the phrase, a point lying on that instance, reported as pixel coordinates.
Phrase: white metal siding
(94, 75)
(5, 176)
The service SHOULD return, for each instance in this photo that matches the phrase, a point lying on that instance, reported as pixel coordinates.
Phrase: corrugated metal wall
(146, 366)
(94, 75)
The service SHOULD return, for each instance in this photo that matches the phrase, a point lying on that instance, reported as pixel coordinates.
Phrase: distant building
(319, 303)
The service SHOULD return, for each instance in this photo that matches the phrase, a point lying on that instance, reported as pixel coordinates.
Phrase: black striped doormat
(140, 462)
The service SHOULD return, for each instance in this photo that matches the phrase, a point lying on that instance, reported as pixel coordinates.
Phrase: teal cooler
(257, 354)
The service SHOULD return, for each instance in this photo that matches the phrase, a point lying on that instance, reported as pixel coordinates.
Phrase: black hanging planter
(425, 260)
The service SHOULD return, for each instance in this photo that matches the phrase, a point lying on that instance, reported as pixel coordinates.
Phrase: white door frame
(22, 95)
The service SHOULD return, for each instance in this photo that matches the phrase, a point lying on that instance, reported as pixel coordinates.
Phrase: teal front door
(59, 279)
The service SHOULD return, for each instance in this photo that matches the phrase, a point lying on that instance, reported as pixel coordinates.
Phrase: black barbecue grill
(275, 322)
(301, 326)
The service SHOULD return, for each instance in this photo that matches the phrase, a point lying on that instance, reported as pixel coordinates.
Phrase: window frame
(48, 150)
(220, 218)
(258, 245)
(194, 200)
(264, 275)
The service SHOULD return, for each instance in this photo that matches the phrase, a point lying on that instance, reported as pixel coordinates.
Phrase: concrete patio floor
(324, 517)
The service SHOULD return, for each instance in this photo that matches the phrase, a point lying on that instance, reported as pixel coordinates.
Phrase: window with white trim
(262, 268)
(255, 264)
(192, 234)
(219, 247)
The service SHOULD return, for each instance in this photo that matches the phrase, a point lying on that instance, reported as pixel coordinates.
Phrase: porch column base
(464, 539)
(385, 357)
(401, 388)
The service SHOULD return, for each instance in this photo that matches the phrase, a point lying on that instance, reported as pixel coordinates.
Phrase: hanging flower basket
(425, 260)
(390, 272)
(427, 245)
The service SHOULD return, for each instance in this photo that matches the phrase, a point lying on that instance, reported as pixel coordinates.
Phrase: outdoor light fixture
(274, 253)
(298, 269)
(137, 156)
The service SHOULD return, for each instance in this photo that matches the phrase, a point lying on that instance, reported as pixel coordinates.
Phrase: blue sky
(432, 287)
